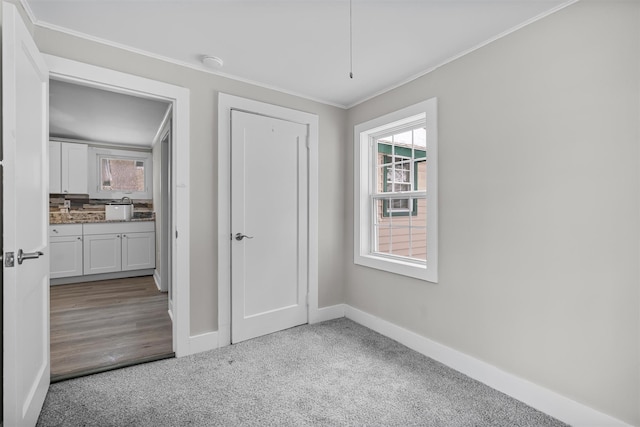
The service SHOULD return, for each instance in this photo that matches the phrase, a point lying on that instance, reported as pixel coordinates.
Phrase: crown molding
(131, 49)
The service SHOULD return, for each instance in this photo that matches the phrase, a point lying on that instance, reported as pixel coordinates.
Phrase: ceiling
(299, 46)
(90, 114)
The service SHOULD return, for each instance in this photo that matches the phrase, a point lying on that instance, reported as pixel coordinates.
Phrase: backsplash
(80, 202)
(83, 209)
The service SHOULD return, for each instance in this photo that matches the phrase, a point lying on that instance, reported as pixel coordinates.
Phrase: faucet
(126, 199)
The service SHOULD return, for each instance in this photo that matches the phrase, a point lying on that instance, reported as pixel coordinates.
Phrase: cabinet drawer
(60, 230)
(119, 227)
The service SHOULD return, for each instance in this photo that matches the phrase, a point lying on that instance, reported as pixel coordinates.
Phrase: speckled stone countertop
(79, 217)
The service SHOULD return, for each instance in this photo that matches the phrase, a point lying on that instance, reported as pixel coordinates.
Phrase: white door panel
(269, 204)
(25, 84)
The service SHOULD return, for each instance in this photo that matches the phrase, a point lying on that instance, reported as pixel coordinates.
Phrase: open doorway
(109, 211)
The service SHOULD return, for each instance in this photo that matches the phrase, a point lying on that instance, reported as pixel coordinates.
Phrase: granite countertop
(79, 217)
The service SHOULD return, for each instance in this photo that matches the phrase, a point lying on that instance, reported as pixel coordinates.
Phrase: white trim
(103, 78)
(364, 182)
(163, 125)
(463, 53)
(540, 398)
(174, 61)
(157, 279)
(27, 8)
(330, 313)
(85, 36)
(225, 104)
(203, 342)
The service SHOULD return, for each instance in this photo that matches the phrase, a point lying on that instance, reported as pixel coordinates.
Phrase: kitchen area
(110, 293)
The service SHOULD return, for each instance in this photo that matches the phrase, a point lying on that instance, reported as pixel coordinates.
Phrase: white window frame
(364, 188)
(96, 155)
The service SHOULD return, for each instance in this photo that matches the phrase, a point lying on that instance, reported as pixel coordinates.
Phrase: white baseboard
(156, 278)
(540, 398)
(329, 313)
(203, 342)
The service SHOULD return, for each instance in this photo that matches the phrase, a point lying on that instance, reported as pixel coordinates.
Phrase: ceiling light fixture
(212, 62)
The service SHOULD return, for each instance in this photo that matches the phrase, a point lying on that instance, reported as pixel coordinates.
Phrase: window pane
(407, 242)
(400, 228)
(404, 138)
(420, 138)
(122, 175)
(421, 176)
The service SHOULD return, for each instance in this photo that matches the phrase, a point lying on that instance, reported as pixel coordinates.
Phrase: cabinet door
(102, 253)
(138, 251)
(66, 256)
(55, 171)
(74, 168)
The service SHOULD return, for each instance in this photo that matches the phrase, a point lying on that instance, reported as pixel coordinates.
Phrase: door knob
(240, 236)
(28, 255)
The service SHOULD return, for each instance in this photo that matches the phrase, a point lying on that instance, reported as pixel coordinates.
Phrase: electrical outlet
(67, 204)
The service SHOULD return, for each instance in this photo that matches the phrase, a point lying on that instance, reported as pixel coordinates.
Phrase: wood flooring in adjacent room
(97, 326)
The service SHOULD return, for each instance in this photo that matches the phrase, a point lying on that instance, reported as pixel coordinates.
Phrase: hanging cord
(350, 39)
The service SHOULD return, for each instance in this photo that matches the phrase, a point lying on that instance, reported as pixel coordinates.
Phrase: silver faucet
(126, 199)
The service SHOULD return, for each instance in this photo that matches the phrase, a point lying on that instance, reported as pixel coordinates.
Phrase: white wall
(539, 207)
(204, 89)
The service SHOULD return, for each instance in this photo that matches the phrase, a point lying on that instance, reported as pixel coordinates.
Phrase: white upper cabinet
(68, 168)
(74, 168)
(55, 170)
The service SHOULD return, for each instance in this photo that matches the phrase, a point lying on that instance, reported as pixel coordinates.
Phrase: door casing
(226, 103)
(102, 78)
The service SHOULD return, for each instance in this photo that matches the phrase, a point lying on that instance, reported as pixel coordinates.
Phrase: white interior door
(269, 203)
(25, 104)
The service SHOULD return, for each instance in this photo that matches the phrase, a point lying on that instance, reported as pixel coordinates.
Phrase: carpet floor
(334, 373)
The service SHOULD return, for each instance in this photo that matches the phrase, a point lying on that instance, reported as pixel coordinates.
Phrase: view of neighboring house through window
(122, 175)
(396, 209)
(400, 223)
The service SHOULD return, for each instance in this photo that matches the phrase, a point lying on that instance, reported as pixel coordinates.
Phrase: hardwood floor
(96, 326)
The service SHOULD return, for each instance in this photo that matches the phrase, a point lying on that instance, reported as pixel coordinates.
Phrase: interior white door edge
(25, 202)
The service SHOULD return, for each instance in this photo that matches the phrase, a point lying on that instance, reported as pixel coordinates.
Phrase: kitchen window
(114, 174)
(396, 192)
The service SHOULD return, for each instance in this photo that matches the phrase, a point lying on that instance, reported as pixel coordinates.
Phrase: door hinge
(308, 143)
(176, 234)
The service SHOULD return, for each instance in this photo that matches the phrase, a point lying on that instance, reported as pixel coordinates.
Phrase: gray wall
(539, 200)
(204, 88)
(539, 207)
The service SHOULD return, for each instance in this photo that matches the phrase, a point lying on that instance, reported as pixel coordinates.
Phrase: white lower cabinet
(96, 248)
(102, 253)
(138, 251)
(65, 243)
(123, 246)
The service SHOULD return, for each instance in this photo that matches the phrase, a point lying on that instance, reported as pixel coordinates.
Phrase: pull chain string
(350, 39)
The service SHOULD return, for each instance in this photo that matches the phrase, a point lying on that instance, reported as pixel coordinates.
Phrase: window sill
(397, 266)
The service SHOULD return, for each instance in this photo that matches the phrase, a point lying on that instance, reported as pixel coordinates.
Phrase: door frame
(226, 103)
(115, 81)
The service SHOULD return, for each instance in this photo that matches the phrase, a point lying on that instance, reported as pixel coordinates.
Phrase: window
(114, 174)
(121, 174)
(396, 192)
